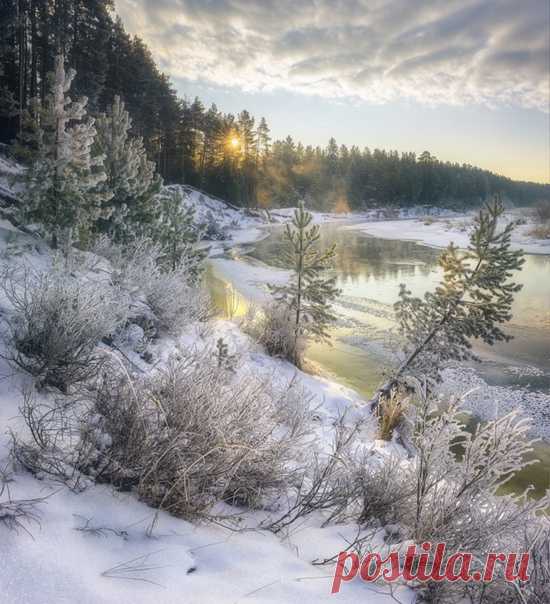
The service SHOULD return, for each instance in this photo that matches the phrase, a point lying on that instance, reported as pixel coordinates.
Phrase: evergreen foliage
(131, 176)
(177, 234)
(62, 182)
(309, 294)
(225, 155)
(473, 299)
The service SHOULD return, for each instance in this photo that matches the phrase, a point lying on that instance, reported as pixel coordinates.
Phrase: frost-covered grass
(102, 544)
(56, 322)
(193, 417)
(272, 327)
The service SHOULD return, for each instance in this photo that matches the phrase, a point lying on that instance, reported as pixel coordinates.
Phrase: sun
(234, 142)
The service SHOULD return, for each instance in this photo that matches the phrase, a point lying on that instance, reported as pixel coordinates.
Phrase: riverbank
(103, 545)
(440, 232)
(362, 337)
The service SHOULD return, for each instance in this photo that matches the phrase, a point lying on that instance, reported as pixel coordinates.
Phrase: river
(369, 271)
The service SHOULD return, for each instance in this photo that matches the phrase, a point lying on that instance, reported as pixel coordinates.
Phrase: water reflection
(369, 268)
(369, 271)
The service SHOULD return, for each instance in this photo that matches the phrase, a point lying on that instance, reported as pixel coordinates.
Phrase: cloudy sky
(467, 79)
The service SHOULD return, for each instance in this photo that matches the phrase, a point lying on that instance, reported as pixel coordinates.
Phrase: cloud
(493, 52)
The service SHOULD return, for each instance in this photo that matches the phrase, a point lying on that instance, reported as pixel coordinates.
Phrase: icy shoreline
(484, 401)
(440, 233)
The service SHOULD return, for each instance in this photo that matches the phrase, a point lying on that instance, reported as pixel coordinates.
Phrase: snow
(488, 402)
(104, 546)
(9, 167)
(441, 232)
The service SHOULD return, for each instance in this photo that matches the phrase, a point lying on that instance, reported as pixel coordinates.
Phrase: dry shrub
(440, 496)
(541, 232)
(189, 436)
(273, 328)
(174, 302)
(536, 541)
(391, 411)
(17, 514)
(56, 323)
(55, 449)
(173, 296)
(542, 211)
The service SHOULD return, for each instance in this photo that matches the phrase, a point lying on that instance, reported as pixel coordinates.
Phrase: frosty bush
(54, 449)
(542, 211)
(17, 514)
(273, 328)
(173, 301)
(189, 436)
(57, 322)
(172, 295)
(450, 491)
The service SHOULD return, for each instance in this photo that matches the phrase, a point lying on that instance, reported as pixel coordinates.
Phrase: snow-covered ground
(249, 278)
(104, 546)
(440, 232)
(488, 402)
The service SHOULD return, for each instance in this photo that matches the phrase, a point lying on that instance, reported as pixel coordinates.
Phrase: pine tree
(62, 183)
(263, 141)
(473, 299)
(131, 176)
(310, 293)
(176, 231)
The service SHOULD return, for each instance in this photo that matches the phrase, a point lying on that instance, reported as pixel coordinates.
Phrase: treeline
(226, 155)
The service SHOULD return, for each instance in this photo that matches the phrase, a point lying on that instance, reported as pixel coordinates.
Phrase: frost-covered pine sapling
(310, 292)
(177, 233)
(62, 182)
(473, 299)
(131, 177)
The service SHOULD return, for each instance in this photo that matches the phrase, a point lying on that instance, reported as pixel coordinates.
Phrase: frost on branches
(131, 178)
(177, 234)
(473, 300)
(62, 183)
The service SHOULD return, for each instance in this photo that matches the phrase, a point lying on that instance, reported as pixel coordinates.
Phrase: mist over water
(364, 343)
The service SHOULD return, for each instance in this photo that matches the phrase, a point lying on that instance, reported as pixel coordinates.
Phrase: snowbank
(488, 402)
(105, 546)
(440, 233)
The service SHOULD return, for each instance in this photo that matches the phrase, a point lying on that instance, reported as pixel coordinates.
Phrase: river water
(369, 271)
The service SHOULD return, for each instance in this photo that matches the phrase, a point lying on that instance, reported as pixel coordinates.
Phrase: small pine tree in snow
(473, 299)
(176, 231)
(131, 176)
(62, 182)
(310, 293)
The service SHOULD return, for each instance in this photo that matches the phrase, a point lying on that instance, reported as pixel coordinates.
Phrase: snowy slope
(103, 546)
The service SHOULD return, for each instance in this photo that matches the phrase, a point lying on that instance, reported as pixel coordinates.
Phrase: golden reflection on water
(369, 271)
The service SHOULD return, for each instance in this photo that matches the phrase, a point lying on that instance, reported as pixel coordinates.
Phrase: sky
(468, 80)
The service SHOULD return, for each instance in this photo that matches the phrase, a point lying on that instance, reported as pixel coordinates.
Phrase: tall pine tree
(63, 180)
